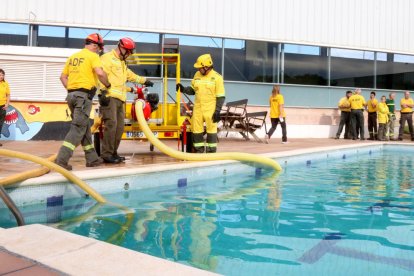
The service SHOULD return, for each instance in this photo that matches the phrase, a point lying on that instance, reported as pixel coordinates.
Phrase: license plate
(138, 134)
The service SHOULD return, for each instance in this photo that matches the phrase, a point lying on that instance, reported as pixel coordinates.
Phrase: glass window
(302, 49)
(248, 60)
(191, 47)
(356, 54)
(14, 29)
(13, 34)
(352, 68)
(51, 36)
(395, 72)
(51, 31)
(305, 65)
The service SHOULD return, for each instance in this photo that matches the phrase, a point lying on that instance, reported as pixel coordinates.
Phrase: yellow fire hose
(246, 157)
(56, 168)
(9, 180)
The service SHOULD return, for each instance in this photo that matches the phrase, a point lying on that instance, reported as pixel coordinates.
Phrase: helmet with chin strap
(95, 38)
(127, 43)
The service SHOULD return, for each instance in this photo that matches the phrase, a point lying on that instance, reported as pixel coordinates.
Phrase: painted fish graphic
(13, 116)
(32, 109)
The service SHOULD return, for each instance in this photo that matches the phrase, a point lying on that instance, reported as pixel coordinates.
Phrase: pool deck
(55, 252)
(138, 153)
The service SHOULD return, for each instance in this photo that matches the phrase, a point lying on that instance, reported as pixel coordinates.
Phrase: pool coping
(98, 173)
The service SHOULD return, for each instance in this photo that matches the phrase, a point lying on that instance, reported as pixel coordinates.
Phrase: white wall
(382, 25)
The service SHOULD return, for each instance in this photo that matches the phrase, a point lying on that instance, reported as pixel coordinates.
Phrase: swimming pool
(347, 212)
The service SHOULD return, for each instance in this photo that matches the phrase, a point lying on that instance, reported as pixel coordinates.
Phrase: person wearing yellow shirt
(407, 105)
(372, 106)
(383, 112)
(4, 99)
(345, 107)
(277, 114)
(79, 77)
(112, 104)
(358, 104)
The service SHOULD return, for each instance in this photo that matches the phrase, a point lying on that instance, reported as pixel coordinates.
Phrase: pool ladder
(12, 207)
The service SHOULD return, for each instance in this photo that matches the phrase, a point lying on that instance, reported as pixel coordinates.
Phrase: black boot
(371, 136)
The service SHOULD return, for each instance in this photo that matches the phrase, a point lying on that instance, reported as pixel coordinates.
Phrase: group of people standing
(381, 116)
(85, 72)
(79, 78)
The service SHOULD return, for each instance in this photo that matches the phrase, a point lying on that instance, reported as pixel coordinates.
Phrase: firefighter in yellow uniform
(79, 77)
(113, 101)
(358, 104)
(383, 112)
(4, 99)
(208, 88)
(407, 105)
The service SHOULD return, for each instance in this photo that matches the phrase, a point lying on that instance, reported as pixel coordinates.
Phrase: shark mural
(36, 121)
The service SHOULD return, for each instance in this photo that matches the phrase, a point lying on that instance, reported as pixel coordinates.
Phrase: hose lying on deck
(246, 157)
(12, 179)
(81, 184)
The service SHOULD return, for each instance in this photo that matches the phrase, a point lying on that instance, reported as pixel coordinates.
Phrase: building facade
(315, 49)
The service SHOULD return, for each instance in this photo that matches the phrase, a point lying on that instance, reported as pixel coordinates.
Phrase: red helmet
(127, 43)
(96, 39)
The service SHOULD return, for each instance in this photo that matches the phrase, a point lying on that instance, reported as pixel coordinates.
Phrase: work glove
(133, 90)
(180, 87)
(103, 99)
(148, 83)
(186, 90)
(219, 105)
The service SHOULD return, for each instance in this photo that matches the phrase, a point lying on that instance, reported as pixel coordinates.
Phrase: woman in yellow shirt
(277, 113)
(4, 98)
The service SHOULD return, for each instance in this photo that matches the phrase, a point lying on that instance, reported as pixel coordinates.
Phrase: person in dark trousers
(4, 99)
(277, 114)
(345, 107)
(113, 107)
(357, 114)
(407, 105)
(79, 77)
(372, 107)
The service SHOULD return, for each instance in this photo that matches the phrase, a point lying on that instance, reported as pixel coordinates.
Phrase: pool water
(351, 215)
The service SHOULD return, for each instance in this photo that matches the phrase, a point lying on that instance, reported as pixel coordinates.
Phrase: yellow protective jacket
(118, 74)
(207, 88)
(382, 113)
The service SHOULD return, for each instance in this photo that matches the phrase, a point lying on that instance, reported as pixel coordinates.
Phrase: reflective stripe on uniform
(69, 145)
(198, 144)
(88, 147)
(212, 145)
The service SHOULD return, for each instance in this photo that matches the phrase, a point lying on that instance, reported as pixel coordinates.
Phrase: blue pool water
(351, 214)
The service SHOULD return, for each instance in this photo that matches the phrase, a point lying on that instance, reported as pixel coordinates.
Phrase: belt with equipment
(91, 92)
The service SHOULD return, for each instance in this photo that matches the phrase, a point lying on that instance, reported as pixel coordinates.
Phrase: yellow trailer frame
(167, 120)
